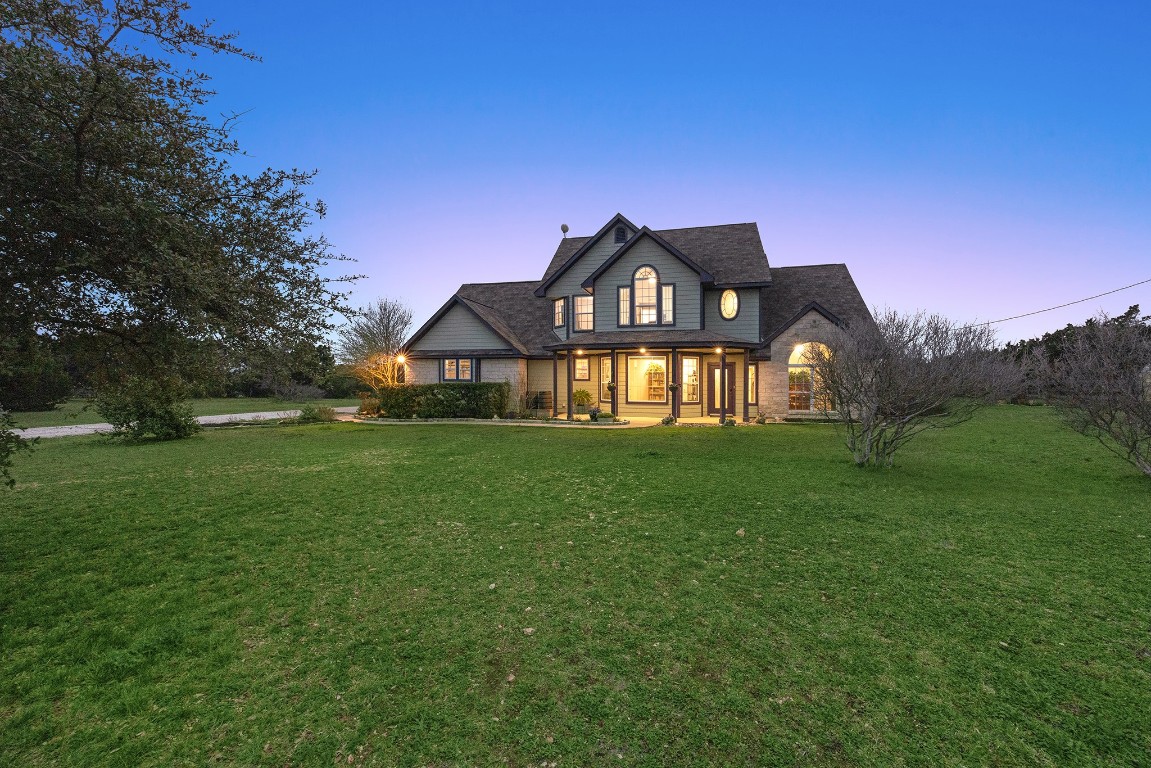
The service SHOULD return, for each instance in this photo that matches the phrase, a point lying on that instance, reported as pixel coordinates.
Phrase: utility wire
(1061, 306)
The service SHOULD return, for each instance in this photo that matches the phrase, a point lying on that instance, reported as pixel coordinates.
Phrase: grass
(359, 594)
(78, 411)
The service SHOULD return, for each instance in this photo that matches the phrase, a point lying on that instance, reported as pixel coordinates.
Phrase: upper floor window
(646, 301)
(620, 235)
(584, 313)
(645, 284)
(559, 313)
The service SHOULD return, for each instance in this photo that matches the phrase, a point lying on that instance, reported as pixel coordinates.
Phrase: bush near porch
(441, 401)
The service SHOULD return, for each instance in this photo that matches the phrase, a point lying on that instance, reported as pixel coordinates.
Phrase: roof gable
(704, 275)
(795, 291)
(488, 319)
(573, 249)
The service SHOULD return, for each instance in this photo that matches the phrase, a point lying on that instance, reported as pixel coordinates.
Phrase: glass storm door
(715, 390)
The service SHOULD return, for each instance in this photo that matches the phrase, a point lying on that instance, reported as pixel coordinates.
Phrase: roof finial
(564, 229)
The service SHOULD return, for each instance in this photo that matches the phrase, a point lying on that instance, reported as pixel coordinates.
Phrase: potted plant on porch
(581, 398)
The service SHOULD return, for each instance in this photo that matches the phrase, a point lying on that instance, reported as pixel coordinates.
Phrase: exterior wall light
(401, 359)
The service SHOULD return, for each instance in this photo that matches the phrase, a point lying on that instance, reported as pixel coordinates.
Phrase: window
(605, 378)
(458, 369)
(582, 369)
(620, 235)
(751, 385)
(625, 306)
(667, 308)
(559, 313)
(803, 390)
(644, 283)
(728, 304)
(584, 319)
(647, 379)
(690, 381)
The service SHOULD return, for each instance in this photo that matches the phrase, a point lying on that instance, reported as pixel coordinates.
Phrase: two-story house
(689, 322)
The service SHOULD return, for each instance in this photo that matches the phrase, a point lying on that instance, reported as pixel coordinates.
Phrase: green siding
(671, 270)
(746, 323)
(459, 329)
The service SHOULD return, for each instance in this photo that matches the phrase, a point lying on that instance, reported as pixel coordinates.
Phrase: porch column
(615, 387)
(746, 382)
(674, 379)
(571, 378)
(722, 385)
(555, 383)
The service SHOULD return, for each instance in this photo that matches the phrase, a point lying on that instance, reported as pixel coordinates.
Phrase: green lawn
(80, 412)
(358, 594)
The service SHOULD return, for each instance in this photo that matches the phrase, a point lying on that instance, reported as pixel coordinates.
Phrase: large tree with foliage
(125, 230)
(888, 381)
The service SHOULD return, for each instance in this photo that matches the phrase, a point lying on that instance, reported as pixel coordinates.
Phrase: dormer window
(620, 235)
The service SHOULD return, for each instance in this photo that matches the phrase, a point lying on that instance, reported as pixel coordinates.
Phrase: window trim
(752, 378)
(457, 378)
(738, 304)
(603, 388)
(683, 379)
(670, 323)
(619, 303)
(576, 314)
(560, 310)
(627, 389)
(586, 366)
(656, 296)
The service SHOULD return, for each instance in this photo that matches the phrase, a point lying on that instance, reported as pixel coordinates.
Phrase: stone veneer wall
(421, 371)
(773, 395)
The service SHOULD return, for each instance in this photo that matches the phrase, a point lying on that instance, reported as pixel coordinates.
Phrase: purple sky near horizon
(977, 161)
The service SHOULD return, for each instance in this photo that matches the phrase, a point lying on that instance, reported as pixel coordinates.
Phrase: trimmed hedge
(444, 401)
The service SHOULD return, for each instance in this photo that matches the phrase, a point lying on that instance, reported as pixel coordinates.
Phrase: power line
(1061, 306)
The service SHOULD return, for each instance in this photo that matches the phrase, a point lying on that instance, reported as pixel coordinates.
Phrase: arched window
(620, 235)
(645, 293)
(804, 392)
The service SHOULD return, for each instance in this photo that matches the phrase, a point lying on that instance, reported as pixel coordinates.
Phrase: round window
(729, 304)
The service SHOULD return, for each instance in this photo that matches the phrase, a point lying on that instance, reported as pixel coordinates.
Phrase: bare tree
(886, 382)
(372, 340)
(1102, 384)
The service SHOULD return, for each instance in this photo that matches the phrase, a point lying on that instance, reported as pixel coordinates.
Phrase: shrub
(138, 408)
(668, 420)
(581, 397)
(311, 414)
(369, 404)
(444, 401)
(729, 423)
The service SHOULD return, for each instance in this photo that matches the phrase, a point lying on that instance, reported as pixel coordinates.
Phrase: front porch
(705, 378)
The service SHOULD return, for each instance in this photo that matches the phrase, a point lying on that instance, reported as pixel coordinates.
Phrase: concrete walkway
(72, 430)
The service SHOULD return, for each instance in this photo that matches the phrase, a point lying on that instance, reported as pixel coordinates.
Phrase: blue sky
(980, 160)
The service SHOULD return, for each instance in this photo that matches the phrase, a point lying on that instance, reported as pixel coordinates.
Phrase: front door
(715, 389)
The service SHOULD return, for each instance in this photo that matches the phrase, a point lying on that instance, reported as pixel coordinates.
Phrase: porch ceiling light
(643, 350)
(579, 351)
(719, 350)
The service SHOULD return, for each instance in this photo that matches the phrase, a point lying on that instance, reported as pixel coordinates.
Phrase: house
(689, 322)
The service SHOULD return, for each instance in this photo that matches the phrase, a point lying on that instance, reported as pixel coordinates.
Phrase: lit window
(620, 235)
(729, 304)
(582, 369)
(691, 380)
(584, 319)
(667, 311)
(647, 379)
(625, 306)
(559, 313)
(803, 390)
(644, 284)
(751, 385)
(457, 369)
(605, 378)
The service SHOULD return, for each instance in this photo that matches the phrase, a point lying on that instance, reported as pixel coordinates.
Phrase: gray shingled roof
(793, 289)
(514, 312)
(732, 253)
